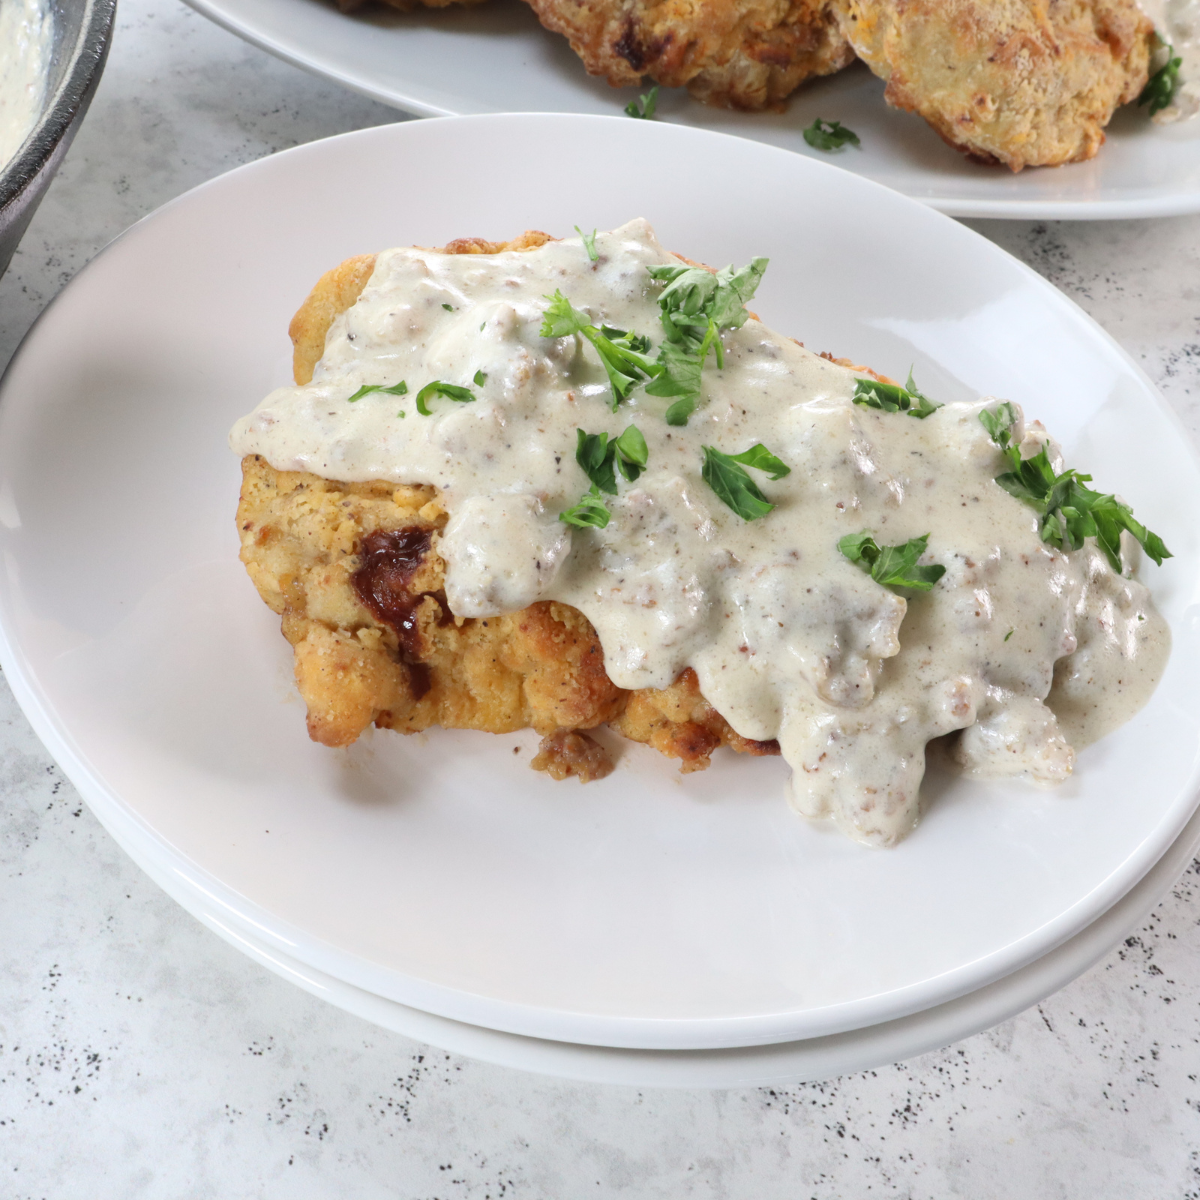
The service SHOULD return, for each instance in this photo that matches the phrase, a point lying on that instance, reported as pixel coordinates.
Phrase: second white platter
(497, 58)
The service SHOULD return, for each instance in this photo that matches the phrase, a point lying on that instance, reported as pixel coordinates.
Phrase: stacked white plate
(646, 928)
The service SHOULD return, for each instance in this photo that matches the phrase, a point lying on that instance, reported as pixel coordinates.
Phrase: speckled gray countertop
(142, 1057)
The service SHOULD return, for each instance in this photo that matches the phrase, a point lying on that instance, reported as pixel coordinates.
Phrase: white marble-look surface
(142, 1057)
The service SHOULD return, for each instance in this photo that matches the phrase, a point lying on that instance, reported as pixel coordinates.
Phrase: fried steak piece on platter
(745, 54)
(1019, 82)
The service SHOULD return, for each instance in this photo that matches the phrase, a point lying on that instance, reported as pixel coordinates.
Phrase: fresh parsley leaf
(396, 389)
(630, 341)
(695, 305)
(643, 107)
(761, 459)
(1162, 84)
(726, 475)
(680, 376)
(678, 413)
(1069, 511)
(595, 456)
(999, 422)
(624, 364)
(892, 566)
(830, 135)
(694, 296)
(589, 243)
(632, 455)
(437, 388)
(589, 511)
(891, 397)
(480, 378)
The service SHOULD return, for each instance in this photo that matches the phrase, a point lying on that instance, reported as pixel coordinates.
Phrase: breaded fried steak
(353, 570)
(747, 54)
(1021, 82)
(560, 484)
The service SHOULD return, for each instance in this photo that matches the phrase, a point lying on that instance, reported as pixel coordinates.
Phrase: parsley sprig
(589, 243)
(622, 354)
(1068, 511)
(830, 135)
(891, 397)
(600, 459)
(1160, 87)
(396, 389)
(726, 474)
(643, 107)
(451, 391)
(892, 566)
(695, 307)
(590, 511)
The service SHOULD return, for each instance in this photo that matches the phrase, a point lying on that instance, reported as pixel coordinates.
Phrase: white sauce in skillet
(789, 639)
(25, 46)
(1178, 25)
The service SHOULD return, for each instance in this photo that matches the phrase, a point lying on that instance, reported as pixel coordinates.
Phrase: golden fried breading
(747, 54)
(354, 571)
(1020, 82)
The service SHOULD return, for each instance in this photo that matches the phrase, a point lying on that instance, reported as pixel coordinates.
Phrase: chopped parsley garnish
(589, 243)
(480, 378)
(437, 388)
(448, 307)
(1009, 634)
(643, 107)
(623, 356)
(595, 457)
(589, 511)
(727, 476)
(632, 455)
(598, 457)
(891, 397)
(892, 566)
(830, 135)
(396, 389)
(630, 341)
(695, 306)
(1068, 511)
(1162, 84)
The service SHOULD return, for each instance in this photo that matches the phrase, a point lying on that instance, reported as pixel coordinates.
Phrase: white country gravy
(25, 47)
(789, 639)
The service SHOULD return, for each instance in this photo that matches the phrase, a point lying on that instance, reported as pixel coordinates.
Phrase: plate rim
(524, 1019)
(772, 1065)
(1176, 204)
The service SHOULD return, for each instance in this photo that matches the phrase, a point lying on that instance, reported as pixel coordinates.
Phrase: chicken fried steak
(1021, 82)
(746, 54)
(354, 572)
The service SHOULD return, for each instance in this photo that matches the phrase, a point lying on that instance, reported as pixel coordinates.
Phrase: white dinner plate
(497, 58)
(646, 910)
(777, 1065)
